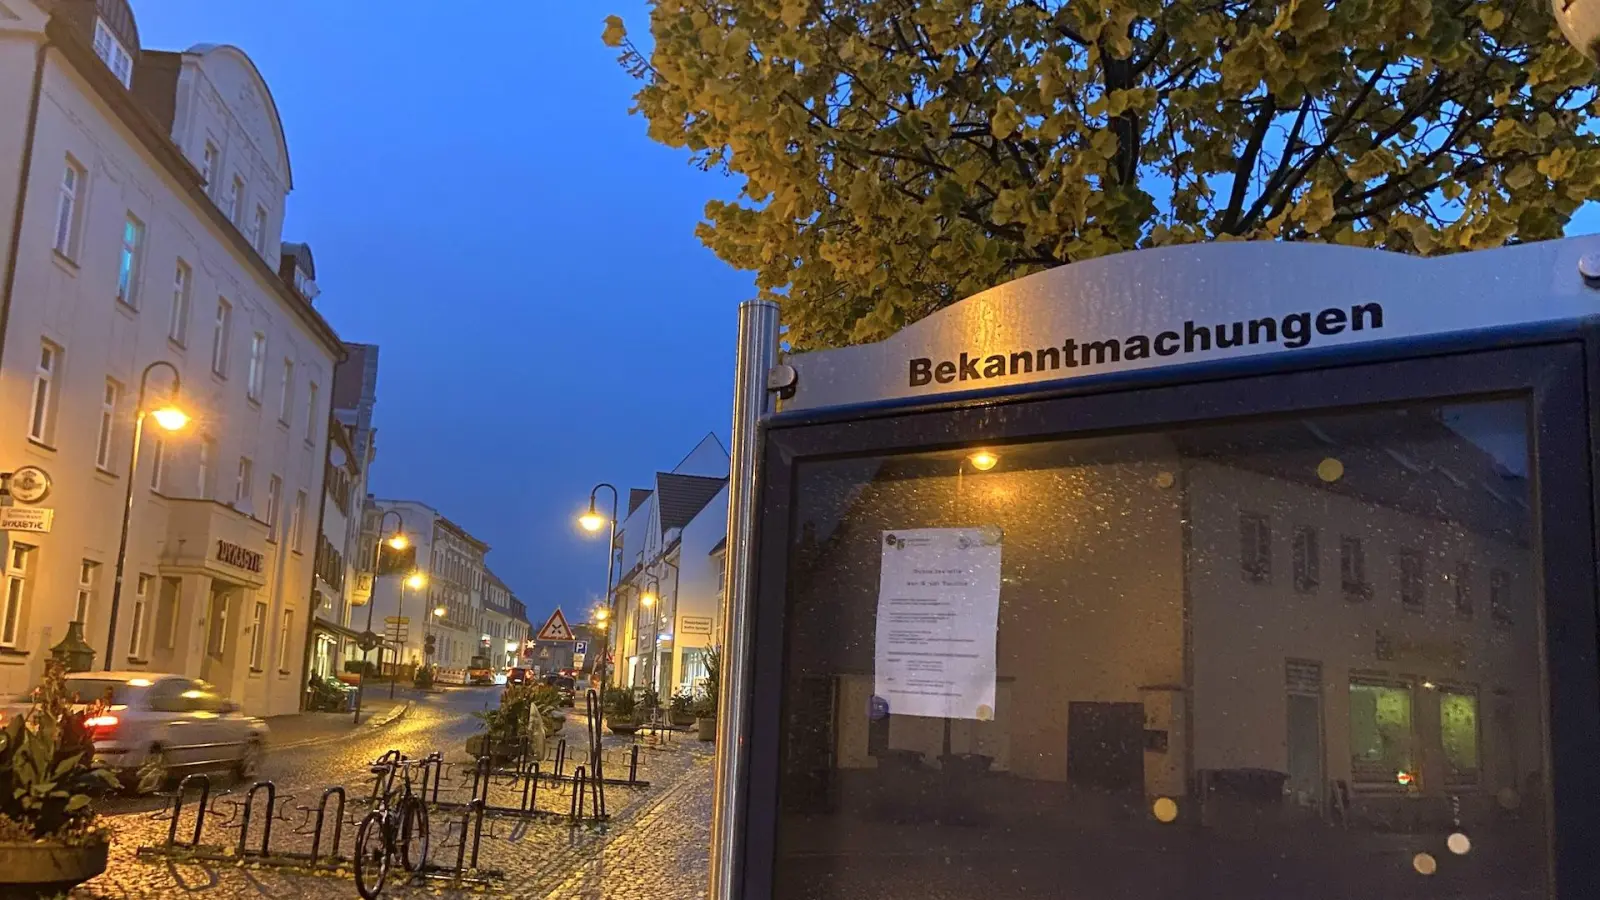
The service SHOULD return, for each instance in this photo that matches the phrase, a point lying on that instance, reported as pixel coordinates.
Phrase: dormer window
(112, 53)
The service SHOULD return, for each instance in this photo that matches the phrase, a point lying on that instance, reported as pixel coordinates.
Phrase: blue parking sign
(580, 647)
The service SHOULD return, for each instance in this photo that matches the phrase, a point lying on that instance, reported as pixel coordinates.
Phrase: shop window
(1380, 732)
(1458, 734)
(1255, 548)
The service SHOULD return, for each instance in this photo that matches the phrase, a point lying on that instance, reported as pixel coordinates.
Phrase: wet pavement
(654, 845)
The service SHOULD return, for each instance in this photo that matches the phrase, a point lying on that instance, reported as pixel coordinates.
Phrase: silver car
(157, 725)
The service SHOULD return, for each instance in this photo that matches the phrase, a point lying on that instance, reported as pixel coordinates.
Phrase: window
(208, 164)
(16, 593)
(274, 499)
(178, 320)
(236, 200)
(311, 413)
(41, 419)
(1353, 569)
(219, 337)
(258, 230)
(1500, 596)
(105, 444)
(158, 461)
(1463, 589)
(88, 578)
(208, 455)
(283, 641)
(141, 607)
(167, 617)
(241, 489)
(128, 264)
(112, 53)
(1380, 732)
(1458, 734)
(67, 209)
(1255, 548)
(258, 366)
(297, 522)
(217, 639)
(1307, 565)
(286, 391)
(1413, 580)
(258, 636)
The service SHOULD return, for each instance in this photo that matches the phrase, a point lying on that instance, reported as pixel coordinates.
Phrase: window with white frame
(170, 602)
(258, 229)
(236, 200)
(158, 461)
(41, 409)
(297, 522)
(105, 444)
(128, 261)
(258, 366)
(18, 561)
(70, 192)
(178, 319)
(286, 391)
(112, 53)
(219, 337)
(242, 489)
(208, 164)
(203, 471)
(258, 636)
(88, 581)
(311, 413)
(283, 641)
(141, 615)
(274, 499)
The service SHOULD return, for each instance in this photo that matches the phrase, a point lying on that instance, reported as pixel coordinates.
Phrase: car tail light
(101, 726)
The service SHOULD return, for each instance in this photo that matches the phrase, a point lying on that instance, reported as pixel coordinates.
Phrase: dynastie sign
(1200, 303)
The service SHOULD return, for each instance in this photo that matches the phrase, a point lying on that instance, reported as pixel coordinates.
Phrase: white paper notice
(938, 614)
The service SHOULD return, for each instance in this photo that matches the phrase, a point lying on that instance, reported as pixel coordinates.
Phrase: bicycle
(398, 828)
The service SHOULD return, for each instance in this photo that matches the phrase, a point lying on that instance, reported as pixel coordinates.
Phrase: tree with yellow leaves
(898, 155)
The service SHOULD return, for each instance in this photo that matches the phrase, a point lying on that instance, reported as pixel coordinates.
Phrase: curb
(394, 716)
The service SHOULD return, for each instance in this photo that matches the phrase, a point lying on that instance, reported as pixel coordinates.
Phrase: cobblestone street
(654, 845)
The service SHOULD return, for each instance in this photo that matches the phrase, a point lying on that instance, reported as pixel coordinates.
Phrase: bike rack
(266, 827)
(200, 814)
(335, 792)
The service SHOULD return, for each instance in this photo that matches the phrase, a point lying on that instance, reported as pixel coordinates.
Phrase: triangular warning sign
(556, 629)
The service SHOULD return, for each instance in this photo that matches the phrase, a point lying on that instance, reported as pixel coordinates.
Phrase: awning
(320, 624)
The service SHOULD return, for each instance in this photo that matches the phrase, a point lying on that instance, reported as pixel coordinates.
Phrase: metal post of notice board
(1299, 558)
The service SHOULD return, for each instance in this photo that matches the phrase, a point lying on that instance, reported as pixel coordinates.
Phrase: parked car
(519, 676)
(156, 726)
(566, 685)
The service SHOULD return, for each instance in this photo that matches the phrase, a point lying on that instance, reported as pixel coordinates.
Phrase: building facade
(146, 243)
(505, 624)
(452, 562)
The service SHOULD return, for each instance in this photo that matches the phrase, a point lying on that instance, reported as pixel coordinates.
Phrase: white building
(505, 623)
(452, 561)
(146, 230)
(672, 544)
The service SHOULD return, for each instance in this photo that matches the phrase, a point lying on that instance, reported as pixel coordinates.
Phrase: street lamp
(169, 418)
(398, 541)
(592, 521)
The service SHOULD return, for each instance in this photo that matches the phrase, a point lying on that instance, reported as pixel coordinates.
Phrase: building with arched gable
(141, 211)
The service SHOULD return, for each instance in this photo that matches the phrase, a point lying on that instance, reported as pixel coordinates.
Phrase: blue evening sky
(483, 207)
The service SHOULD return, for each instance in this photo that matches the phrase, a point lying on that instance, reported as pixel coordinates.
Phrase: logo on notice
(238, 557)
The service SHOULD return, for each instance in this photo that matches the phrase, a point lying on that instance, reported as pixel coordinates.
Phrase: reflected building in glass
(1294, 656)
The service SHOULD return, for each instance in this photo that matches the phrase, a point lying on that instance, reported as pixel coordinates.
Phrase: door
(1105, 747)
(1304, 741)
(1144, 539)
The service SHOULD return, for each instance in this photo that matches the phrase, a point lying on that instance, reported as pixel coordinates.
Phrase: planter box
(682, 719)
(36, 869)
(706, 729)
(622, 726)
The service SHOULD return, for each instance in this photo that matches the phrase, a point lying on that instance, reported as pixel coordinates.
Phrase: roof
(681, 497)
(636, 498)
(721, 545)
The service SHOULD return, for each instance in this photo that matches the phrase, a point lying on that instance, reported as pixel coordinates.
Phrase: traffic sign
(556, 628)
(397, 620)
(580, 648)
(368, 640)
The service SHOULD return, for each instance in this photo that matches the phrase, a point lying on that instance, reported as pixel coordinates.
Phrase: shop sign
(694, 625)
(30, 519)
(238, 557)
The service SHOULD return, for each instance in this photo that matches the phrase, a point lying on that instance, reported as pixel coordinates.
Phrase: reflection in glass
(1185, 707)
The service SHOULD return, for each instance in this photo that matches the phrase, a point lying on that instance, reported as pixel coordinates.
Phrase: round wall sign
(30, 484)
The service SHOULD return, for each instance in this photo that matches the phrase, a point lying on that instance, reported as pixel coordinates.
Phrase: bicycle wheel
(371, 856)
(413, 834)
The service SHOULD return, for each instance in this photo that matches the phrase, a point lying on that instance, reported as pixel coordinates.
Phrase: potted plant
(681, 710)
(424, 678)
(511, 731)
(50, 836)
(547, 699)
(705, 708)
(622, 712)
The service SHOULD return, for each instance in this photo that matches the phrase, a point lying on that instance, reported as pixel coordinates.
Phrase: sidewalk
(305, 729)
